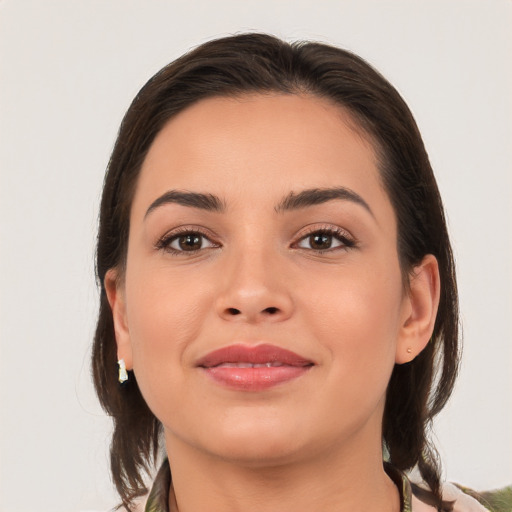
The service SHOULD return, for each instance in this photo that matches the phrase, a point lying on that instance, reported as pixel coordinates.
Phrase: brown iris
(320, 241)
(190, 242)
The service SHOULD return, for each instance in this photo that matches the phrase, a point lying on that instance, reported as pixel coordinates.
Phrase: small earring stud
(409, 350)
(123, 374)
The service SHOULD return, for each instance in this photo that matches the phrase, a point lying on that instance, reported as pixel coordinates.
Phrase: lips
(253, 368)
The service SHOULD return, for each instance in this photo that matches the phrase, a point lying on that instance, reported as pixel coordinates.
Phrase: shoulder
(461, 499)
(464, 499)
(138, 506)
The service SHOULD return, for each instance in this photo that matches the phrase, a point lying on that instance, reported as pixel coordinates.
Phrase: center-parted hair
(260, 63)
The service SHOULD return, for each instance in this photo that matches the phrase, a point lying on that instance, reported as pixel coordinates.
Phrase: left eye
(322, 241)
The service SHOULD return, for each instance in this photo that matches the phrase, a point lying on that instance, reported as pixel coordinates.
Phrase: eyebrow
(315, 196)
(207, 202)
(293, 201)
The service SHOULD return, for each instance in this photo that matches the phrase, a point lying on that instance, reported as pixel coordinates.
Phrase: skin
(313, 443)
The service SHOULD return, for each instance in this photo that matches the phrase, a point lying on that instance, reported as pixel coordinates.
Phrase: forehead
(257, 146)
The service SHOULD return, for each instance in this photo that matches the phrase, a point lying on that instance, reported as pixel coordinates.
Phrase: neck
(354, 481)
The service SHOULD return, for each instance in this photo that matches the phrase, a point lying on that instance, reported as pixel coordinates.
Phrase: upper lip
(254, 354)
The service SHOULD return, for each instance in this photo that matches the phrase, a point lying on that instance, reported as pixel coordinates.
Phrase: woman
(277, 285)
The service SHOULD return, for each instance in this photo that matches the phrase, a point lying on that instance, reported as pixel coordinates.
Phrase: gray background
(68, 72)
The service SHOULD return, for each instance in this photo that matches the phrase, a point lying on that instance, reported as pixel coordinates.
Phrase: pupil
(321, 241)
(190, 242)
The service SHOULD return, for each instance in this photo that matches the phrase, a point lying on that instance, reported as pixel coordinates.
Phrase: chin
(257, 453)
(255, 442)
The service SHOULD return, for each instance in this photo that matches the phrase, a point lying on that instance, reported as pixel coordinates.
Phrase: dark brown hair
(259, 63)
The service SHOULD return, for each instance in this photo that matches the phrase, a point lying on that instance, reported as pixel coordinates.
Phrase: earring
(123, 374)
(409, 350)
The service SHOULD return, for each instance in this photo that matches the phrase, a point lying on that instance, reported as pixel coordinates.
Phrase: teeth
(272, 364)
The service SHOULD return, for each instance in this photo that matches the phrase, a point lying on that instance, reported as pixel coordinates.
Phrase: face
(262, 308)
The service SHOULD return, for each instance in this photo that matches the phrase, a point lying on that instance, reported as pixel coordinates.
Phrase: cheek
(357, 321)
(163, 318)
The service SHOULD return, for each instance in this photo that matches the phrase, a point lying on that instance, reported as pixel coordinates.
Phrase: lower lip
(255, 379)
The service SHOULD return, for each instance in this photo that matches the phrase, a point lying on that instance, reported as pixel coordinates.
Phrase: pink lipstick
(253, 368)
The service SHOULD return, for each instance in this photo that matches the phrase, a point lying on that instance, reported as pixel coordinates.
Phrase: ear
(116, 298)
(420, 310)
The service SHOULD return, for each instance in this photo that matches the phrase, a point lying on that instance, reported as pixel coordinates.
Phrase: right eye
(185, 242)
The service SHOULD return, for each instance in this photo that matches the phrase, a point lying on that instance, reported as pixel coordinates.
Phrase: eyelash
(164, 243)
(338, 233)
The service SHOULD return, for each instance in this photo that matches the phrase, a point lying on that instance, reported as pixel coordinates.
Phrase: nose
(254, 289)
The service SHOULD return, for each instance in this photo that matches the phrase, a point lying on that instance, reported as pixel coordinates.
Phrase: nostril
(270, 311)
